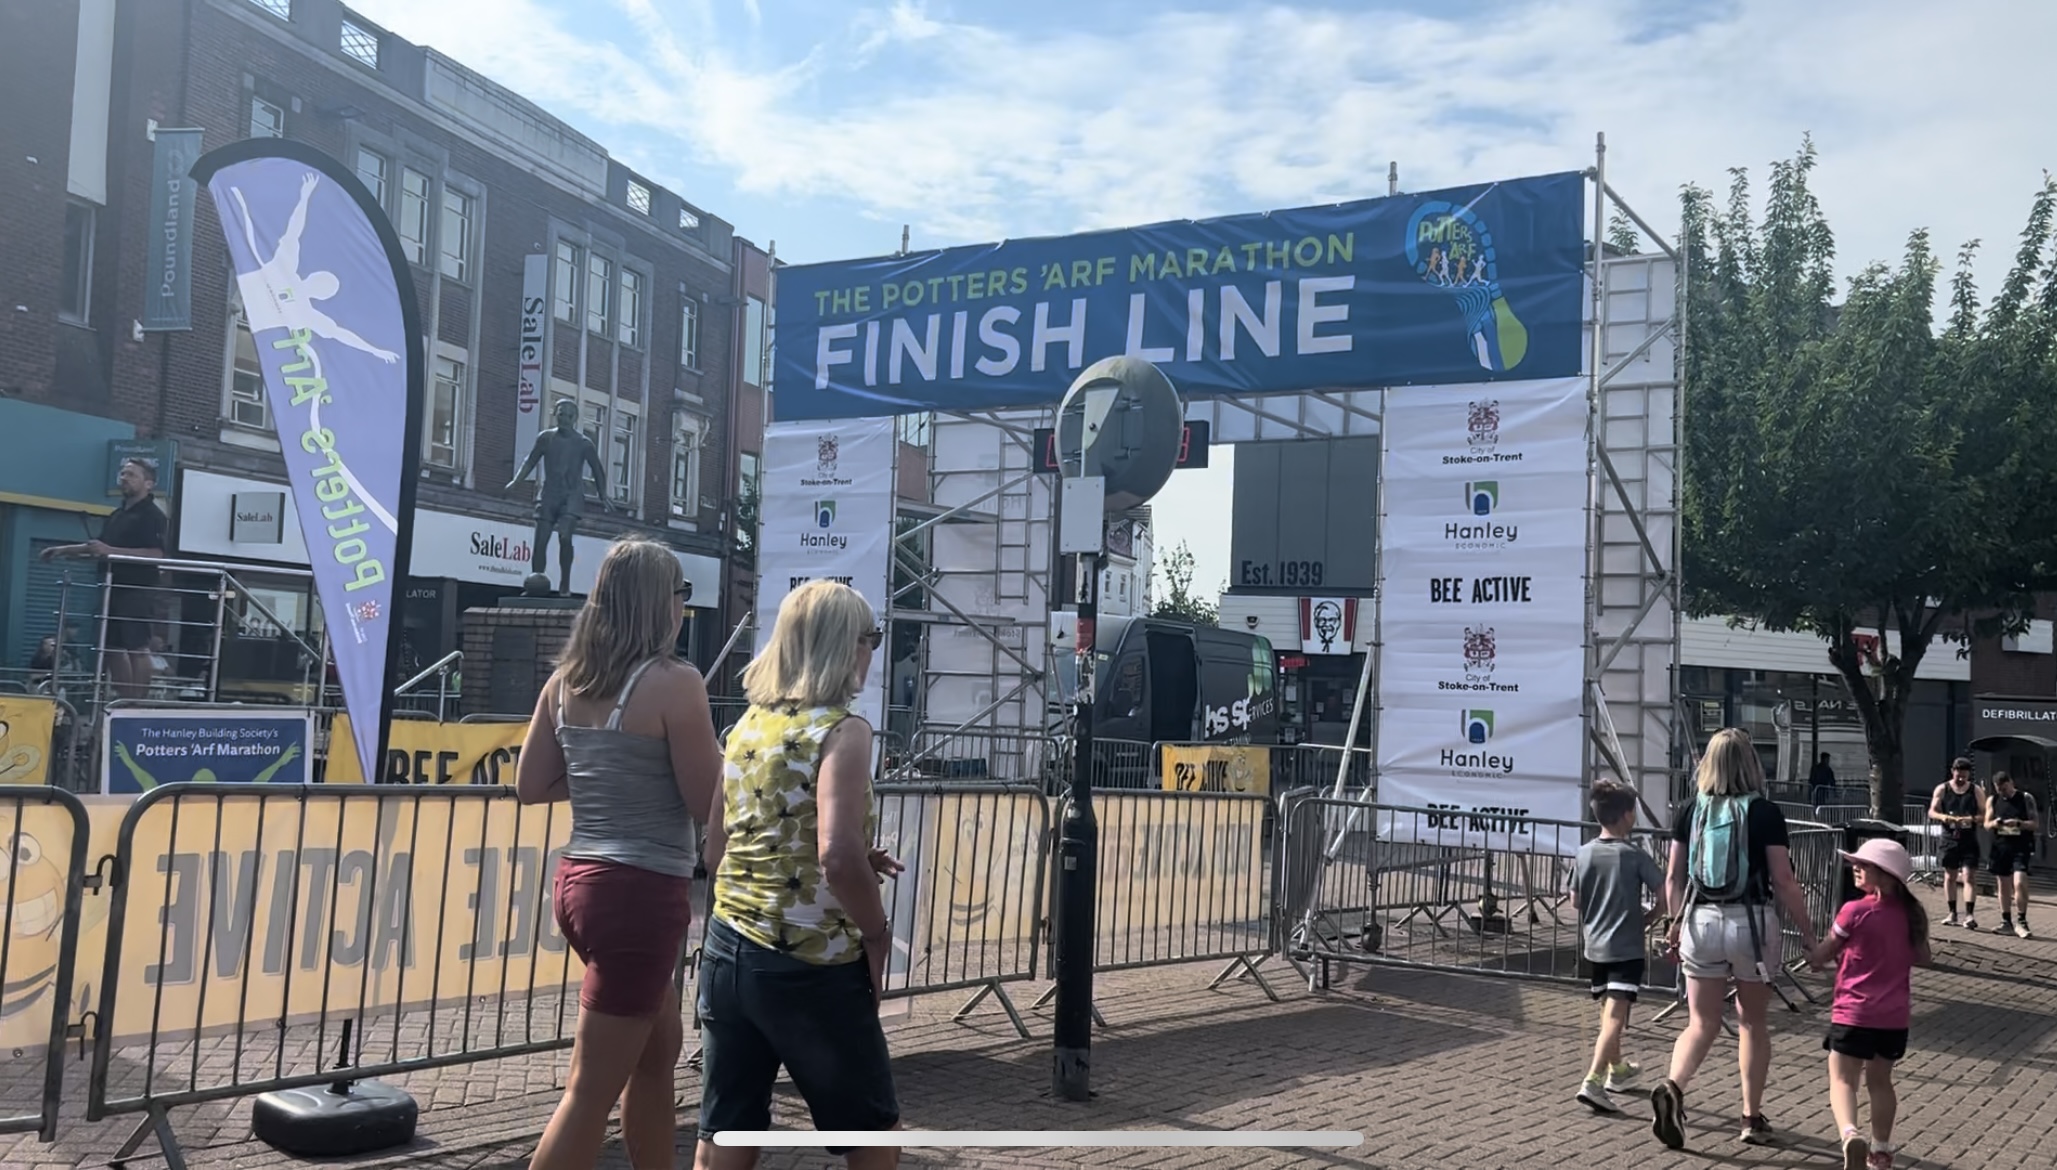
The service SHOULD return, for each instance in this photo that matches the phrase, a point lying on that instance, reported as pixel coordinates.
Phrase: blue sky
(824, 126)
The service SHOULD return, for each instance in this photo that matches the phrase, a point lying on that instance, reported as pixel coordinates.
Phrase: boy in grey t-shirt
(1607, 885)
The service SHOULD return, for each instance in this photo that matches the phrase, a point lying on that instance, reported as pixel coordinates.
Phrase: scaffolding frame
(991, 578)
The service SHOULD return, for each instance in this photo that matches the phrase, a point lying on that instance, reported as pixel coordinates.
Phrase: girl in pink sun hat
(1879, 938)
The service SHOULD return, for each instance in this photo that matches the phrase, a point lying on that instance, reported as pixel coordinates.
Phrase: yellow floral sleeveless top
(769, 886)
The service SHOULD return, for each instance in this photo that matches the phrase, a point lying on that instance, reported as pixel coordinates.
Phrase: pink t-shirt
(1877, 965)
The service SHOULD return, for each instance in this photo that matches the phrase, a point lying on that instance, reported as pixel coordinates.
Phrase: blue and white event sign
(143, 747)
(1472, 284)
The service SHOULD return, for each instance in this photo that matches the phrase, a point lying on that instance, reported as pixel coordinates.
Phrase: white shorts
(1716, 943)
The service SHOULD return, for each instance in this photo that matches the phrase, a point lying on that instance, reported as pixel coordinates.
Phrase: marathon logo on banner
(1483, 574)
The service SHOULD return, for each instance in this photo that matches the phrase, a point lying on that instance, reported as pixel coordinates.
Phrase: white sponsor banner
(826, 511)
(1482, 572)
(1450, 434)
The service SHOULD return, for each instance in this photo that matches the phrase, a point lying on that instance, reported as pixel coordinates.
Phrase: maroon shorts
(628, 926)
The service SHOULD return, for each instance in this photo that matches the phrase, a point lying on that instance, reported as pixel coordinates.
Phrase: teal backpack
(1719, 862)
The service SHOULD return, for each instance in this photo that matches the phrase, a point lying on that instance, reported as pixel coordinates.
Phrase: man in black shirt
(136, 529)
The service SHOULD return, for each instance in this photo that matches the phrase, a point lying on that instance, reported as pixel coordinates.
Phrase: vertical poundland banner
(825, 510)
(535, 336)
(1483, 563)
(331, 308)
(168, 288)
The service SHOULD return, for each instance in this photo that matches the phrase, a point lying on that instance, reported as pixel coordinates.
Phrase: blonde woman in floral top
(796, 947)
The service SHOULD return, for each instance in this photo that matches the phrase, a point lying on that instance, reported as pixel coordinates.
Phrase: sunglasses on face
(873, 638)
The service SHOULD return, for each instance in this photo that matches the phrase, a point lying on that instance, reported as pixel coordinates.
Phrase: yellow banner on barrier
(1168, 865)
(421, 752)
(969, 900)
(32, 889)
(27, 725)
(263, 908)
(1216, 767)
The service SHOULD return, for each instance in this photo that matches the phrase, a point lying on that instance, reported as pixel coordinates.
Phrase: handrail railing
(439, 666)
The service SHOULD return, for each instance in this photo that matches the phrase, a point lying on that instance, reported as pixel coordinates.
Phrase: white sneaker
(1953, 920)
(2021, 930)
(1970, 923)
(1593, 1095)
(1620, 1076)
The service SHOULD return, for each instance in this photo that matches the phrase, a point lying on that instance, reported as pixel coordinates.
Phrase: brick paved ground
(1437, 1070)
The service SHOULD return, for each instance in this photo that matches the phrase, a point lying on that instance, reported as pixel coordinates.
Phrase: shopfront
(56, 485)
(458, 562)
(1780, 688)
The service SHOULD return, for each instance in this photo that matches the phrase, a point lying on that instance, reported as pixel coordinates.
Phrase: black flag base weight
(337, 1120)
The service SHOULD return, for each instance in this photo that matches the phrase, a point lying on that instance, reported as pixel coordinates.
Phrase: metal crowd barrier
(45, 865)
(945, 755)
(1314, 765)
(1413, 887)
(1181, 880)
(968, 909)
(253, 929)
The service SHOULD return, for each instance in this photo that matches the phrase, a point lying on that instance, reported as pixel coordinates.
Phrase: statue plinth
(510, 651)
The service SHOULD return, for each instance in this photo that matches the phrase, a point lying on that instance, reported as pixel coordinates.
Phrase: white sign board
(825, 510)
(1483, 585)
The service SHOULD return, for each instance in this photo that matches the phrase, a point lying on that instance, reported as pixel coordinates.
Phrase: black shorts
(759, 1009)
(1960, 853)
(1865, 1043)
(1619, 980)
(131, 614)
(2012, 855)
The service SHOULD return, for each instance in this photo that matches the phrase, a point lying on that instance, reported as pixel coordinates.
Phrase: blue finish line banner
(1467, 285)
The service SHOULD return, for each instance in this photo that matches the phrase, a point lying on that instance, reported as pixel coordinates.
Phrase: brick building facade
(656, 307)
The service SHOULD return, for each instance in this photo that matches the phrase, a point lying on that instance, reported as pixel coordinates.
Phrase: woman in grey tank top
(622, 730)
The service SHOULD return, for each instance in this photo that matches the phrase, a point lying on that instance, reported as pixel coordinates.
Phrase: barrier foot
(1044, 999)
(1240, 967)
(1792, 974)
(156, 1123)
(1006, 1005)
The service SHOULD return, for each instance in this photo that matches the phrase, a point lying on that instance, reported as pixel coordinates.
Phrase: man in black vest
(136, 529)
(1960, 807)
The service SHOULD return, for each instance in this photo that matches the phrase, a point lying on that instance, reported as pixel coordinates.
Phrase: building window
(267, 120)
(413, 224)
(753, 342)
(621, 458)
(685, 479)
(75, 298)
(628, 314)
(446, 413)
(371, 171)
(246, 405)
(360, 44)
(456, 235)
(283, 9)
(565, 282)
(593, 423)
(598, 272)
(639, 197)
(687, 220)
(689, 332)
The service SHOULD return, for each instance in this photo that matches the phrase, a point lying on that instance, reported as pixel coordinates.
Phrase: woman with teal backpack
(1729, 869)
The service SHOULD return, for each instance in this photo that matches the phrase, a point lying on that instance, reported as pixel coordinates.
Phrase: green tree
(1177, 601)
(1850, 469)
